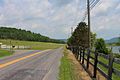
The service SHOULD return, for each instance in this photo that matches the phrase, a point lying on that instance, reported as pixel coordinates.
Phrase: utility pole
(88, 10)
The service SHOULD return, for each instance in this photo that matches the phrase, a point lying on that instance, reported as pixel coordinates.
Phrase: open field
(33, 45)
(4, 53)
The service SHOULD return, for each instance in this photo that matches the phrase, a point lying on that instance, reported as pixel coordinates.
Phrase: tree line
(19, 34)
(80, 38)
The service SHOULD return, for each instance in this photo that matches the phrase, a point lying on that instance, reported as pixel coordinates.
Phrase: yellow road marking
(19, 59)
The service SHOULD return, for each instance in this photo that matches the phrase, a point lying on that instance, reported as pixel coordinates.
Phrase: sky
(54, 18)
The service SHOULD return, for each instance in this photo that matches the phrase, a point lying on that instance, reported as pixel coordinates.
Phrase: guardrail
(80, 54)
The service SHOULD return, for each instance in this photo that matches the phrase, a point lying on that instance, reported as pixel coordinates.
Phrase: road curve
(33, 65)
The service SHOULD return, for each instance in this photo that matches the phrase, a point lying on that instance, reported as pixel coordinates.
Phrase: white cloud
(118, 7)
(54, 18)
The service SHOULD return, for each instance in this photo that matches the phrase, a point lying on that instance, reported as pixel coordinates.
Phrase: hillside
(113, 40)
(19, 34)
(65, 40)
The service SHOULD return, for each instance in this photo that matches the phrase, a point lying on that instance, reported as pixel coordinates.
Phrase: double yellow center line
(19, 59)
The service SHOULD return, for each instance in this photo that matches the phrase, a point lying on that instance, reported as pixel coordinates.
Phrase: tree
(79, 36)
(93, 40)
(19, 34)
(101, 46)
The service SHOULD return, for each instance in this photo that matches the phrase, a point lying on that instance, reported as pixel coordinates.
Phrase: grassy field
(33, 45)
(4, 53)
(105, 61)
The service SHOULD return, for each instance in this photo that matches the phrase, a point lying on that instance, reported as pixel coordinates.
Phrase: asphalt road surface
(31, 65)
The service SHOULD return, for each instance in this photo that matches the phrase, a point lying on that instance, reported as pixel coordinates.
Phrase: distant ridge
(113, 40)
(20, 34)
(65, 40)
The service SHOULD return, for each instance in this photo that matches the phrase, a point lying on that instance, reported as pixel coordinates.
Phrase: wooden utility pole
(88, 10)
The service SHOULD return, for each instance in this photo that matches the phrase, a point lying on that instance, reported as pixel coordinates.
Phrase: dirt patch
(80, 72)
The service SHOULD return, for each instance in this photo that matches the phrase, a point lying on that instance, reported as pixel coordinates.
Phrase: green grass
(67, 71)
(33, 45)
(4, 53)
(105, 61)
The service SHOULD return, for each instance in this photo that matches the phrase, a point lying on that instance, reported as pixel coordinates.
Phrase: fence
(15, 47)
(87, 55)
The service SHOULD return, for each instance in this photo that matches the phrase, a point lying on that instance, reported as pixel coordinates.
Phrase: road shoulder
(71, 69)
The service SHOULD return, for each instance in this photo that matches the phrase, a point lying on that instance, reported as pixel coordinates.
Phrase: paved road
(32, 65)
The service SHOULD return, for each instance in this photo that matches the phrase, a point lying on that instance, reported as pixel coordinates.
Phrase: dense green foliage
(79, 36)
(19, 34)
(116, 55)
(93, 40)
(101, 46)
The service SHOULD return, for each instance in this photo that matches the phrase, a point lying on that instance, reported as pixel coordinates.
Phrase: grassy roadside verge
(66, 69)
(70, 69)
(4, 53)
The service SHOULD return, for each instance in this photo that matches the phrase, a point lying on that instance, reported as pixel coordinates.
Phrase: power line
(93, 3)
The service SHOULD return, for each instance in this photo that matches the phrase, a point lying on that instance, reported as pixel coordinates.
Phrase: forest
(24, 35)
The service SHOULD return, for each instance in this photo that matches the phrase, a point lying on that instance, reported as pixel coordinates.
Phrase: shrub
(101, 46)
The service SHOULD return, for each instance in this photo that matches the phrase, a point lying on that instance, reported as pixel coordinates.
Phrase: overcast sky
(54, 18)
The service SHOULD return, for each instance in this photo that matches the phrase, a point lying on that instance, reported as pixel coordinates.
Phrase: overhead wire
(93, 3)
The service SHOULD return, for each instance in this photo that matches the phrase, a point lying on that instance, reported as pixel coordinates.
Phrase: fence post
(83, 56)
(73, 50)
(80, 53)
(88, 56)
(110, 67)
(76, 52)
(70, 48)
(95, 64)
